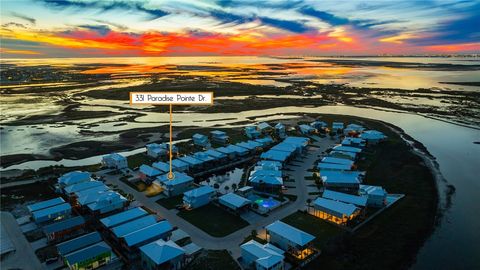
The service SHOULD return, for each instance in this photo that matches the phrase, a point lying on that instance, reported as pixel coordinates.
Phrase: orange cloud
(454, 48)
(26, 52)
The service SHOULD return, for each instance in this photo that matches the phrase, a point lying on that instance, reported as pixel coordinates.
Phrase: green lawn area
(139, 159)
(323, 231)
(171, 202)
(213, 220)
(214, 260)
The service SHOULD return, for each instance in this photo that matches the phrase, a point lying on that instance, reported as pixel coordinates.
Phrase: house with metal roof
(353, 129)
(251, 146)
(78, 243)
(87, 196)
(45, 204)
(353, 142)
(290, 239)
(337, 126)
(318, 125)
(376, 195)
(82, 186)
(107, 202)
(344, 148)
(335, 160)
(162, 255)
(234, 202)
(251, 132)
(359, 201)
(266, 180)
(201, 140)
(275, 155)
(334, 211)
(280, 130)
(132, 241)
(219, 156)
(180, 165)
(56, 212)
(373, 136)
(198, 197)
(156, 150)
(148, 173)
(74, 177)
(123, 217)
(262, 257)
(333, 167)
(264, 128)
(207, 160)
(176, 186)
(229, 152)
(343, 155)
(239, 151)
(193, 163)
(267, 141)
(245, 191)
(219, 136)
(306, 129)
(161, 166)
(90, 257)
(341, 179)
(115, 161)
(133, 225)
(64, 229)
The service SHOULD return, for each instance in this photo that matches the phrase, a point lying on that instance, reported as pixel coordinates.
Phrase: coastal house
(274, 155)
(131, 242)
(56, 212)
(180, 165)
(335, 160)
(343, 155)
(318, 125)
(68, 190)
(201, 140)
(228, 152)
(268, 165)
(74, 177)
(251, 146)
(193, 163)
(337, 127)
(262, 257)
(162, 255)
(264, 128)
(198, 197)
(373, 136)
(45, 204)
(347, 149)
(349, 180)
(178, 185)
(251, 132)
(307, 130)
(359, 201)
(270, 181)
(280, 130)
(115, 161)
(207, 160)
(295, 242)
(64, 229)
(217, 156)
(353, 142)
(122, 217)
(239, 151)
(333, 167)
(107, 202)
(163, 167)
(90, 257)
(78, 243)
(234, 202)
(266, 141)
(376, 195)
(119, 231)
(147, 173)
(334, 211)
(353, 129)
(245, 191)
(220, 137)
(156, 150)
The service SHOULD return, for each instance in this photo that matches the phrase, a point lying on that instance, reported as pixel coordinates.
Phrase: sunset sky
(80, 28)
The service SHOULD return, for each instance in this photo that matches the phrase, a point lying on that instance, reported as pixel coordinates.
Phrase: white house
(262, 257)
(115, 161)
(376, 195)
(198, 197)
(373, 136)
(162, 255)
(334, 211)
(292, 240)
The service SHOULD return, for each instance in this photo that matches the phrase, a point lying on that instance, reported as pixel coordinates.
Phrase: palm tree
(216, 186)
(234, 186)
(226, 188)
(208, 181)
(309, 201)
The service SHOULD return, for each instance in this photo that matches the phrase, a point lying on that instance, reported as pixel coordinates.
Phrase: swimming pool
(264, 204)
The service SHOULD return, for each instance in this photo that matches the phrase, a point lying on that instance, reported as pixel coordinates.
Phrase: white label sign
(174, 98)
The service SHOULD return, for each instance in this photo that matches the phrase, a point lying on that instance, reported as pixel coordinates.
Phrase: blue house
(123, 217)
(161, 166)
(306, 129)
(265, 128)
(162, 255)
(132, 241)
(193, 163)
(218, 156)
(334, 210)
(229, 152)
(206, 159)
(198, 197)
(156, 150)
(115, 161)
(262, 257)
(45, 204)
(251, 132)
(91, 257)
(180, 165)
(80, 242)
(234, 202)
(280, 130)
(319, 125)
(64, 229)
(220, 137)
(201, 140)
(290, 239)
(74, 177)
(57, 212)
(82, 186)
(107, 202)
(337, 126)
(267, 141)
(239, 151)
(147, 173)
(178, 185)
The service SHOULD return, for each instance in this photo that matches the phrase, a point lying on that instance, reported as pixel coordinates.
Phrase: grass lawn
(46, 253)
(28, 193)
(171, 202)
(323, 231)
(214, 259)
(213, 220)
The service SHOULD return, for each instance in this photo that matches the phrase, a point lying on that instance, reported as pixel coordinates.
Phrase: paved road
(24, 256)
(231, 242)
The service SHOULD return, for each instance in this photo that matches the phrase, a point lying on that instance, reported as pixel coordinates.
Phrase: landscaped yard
(171, 202)
(213, 220)
(214, 259)
(322, 230)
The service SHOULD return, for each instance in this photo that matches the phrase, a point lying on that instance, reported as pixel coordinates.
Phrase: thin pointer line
(170, 175)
